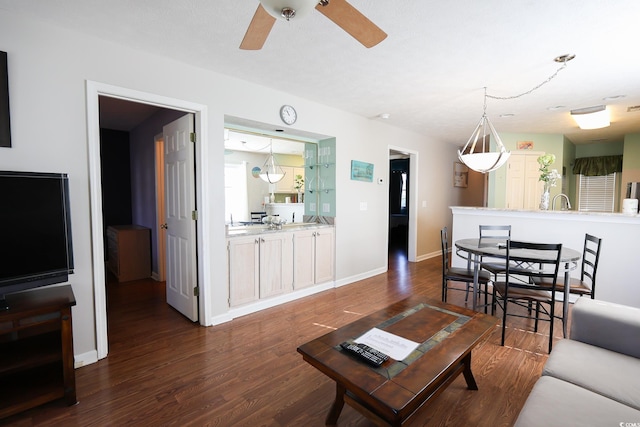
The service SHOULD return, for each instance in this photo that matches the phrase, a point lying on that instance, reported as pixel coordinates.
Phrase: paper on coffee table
(394, 346)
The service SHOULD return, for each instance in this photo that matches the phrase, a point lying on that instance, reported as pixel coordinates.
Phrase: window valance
(597, 166)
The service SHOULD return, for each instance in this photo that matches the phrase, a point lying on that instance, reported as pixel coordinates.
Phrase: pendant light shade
(271, 171)
(484, 161)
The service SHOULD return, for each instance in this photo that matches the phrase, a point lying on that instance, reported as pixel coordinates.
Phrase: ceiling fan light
(287, 9)
(592, 117)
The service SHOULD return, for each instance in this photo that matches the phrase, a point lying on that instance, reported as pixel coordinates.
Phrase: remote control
(366, 353)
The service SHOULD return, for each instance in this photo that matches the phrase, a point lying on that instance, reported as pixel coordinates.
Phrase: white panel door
(515, 185)
(523, 189)
(181, 269)
(533, 185)
(276, 264)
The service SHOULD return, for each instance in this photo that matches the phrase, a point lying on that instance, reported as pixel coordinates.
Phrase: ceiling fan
(340, 12)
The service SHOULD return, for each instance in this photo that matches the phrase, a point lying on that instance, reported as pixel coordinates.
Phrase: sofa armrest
(604, 324)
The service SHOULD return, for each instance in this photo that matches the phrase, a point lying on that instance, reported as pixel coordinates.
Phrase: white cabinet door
(285, 185)
(276, 264)
(324, 255)
(244, 269)
(313, 259)
(304, 258)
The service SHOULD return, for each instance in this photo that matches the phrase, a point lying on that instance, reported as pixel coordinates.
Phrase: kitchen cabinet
(313, 257)
(286, 184)
(260, 266)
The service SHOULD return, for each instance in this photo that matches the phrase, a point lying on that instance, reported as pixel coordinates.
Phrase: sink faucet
(564, 196)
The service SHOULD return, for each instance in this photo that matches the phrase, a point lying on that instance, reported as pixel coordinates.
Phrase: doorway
(94, 92)
(402, 205)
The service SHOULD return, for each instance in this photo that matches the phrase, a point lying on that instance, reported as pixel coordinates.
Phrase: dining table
(473, 250)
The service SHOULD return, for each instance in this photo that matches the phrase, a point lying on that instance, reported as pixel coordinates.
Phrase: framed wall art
(361, 171)
(460, 175)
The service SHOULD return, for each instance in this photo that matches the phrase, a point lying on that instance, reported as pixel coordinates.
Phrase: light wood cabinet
(270, 264)
(313, 257)
(260, 266)
(129, 252)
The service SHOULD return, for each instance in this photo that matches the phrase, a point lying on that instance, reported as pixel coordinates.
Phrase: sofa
(593, 377)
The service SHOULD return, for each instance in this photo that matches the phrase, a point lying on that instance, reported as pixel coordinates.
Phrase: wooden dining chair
(459, 274)
(523, 293)
(586, 284)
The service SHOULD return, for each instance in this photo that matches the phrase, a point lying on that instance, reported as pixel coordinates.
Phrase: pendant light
(487, 161)
(271, 171)
(484, 161)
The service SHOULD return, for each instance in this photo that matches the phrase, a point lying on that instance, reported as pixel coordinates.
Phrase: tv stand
(36, 349)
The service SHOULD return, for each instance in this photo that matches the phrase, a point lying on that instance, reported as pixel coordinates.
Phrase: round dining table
(474, 249)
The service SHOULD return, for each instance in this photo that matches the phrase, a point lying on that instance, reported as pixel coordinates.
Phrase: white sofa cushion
(554, 402)
(610, 374)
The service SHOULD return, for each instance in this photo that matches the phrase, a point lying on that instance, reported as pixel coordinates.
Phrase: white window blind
(596, 193)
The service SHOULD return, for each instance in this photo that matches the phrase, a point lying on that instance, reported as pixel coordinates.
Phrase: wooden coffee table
(393, 392)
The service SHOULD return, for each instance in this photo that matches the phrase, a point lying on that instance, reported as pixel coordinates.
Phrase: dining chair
(543, 264)
(500, 233)
(458, 274)
(586, 284)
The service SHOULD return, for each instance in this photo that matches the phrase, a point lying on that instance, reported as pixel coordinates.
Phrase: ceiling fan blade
(353, 22)
(258, 30)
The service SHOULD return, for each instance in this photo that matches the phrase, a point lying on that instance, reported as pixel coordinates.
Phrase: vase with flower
(298, 183)
(548, 176)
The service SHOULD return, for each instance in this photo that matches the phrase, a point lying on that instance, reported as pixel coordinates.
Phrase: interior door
(181, 268)
(523, 189)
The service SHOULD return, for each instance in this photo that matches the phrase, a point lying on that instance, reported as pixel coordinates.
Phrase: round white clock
(288, 114)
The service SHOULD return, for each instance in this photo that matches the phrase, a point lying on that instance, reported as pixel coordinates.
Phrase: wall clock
(288, 114)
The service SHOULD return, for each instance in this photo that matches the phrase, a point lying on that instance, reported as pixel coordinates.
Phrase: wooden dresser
(129, 252)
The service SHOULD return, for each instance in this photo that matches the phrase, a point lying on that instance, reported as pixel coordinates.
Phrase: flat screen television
(35, 241)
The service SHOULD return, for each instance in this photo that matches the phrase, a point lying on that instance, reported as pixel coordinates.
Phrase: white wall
(48, 70)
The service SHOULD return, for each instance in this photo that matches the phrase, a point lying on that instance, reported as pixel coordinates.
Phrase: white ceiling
(428, 74)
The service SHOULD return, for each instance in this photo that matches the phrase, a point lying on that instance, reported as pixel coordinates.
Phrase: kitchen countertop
(249, 230)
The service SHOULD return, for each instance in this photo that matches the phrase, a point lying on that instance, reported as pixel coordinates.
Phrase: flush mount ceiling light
(271, 171)
(484, 160)
(592, 117)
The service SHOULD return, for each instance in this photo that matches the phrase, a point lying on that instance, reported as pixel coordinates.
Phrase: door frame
(412, 243)
(161, 241)
(93, 91)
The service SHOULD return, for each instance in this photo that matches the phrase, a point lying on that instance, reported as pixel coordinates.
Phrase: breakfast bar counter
(620, 233)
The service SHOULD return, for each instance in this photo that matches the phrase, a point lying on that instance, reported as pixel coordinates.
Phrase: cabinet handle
(257, 241)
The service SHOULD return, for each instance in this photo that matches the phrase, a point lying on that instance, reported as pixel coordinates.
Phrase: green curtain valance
(597, 166)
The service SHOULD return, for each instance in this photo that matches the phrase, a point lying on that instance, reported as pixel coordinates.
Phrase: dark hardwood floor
(163, 370)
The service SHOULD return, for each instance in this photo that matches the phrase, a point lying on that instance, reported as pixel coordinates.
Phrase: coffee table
(392, 393)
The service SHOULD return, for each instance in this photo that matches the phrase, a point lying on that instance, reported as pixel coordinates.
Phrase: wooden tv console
(36, 349)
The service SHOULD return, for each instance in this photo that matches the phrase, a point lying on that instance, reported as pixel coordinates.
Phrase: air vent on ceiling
(633, 109)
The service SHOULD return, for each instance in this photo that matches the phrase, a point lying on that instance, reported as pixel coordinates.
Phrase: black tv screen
(35, 243)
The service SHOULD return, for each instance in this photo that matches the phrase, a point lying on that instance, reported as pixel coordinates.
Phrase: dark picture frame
(5, 122)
